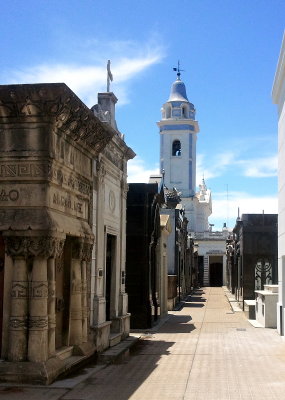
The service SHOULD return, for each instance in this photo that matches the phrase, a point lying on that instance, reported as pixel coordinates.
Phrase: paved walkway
(204, 351)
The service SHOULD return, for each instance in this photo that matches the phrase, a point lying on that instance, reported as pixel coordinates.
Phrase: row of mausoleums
(252, 265)
(65, 268)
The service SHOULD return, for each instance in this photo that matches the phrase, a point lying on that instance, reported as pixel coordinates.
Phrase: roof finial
(109, 75)
(178, 70)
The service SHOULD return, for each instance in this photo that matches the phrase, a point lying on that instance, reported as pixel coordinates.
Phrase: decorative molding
(37, 246)
(18, 323)
(112, 153)
(20, 289)
(51, 289)
(24, 169)
(112, 201)
(82, 250)
(38, 323)
(39, 290)
(67, 112)
(101, 171)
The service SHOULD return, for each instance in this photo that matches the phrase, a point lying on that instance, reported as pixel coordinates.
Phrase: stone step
(64, 352)
(119, 351)
(114, 339)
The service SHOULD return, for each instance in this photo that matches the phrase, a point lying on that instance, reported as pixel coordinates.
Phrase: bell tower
(178, 131)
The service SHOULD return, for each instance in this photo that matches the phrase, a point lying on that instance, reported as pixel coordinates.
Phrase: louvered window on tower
(176, 148)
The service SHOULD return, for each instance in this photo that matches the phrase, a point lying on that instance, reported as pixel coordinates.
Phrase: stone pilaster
(56, 250)
(51, 305)
(84, 303)
(86, 258)
(19, 311)
(75, 337)
(38, 312)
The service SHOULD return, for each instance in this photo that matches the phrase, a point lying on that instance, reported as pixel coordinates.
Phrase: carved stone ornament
(39, 289)
(82, 250)
(20, 289)
(42, 246)
(38, 323)
(18, 323)
(112, 201)
(101, 171)
(68, 113)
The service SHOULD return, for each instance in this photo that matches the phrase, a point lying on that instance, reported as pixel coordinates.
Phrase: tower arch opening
(176, 148)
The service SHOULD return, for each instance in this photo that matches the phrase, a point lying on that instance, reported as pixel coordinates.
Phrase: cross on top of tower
(178, 70)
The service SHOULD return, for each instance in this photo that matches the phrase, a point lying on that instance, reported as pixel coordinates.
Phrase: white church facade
(178, 136)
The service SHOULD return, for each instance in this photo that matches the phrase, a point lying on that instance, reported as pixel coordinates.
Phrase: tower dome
(178, 91)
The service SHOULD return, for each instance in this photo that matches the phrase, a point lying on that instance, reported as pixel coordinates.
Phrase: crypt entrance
(216, 270)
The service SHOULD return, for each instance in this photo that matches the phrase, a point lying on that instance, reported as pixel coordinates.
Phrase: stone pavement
(203, 351)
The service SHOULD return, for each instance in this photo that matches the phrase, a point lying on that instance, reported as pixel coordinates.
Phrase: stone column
(38, 308)
(84, 302)
(51, 305)
(19, 310)
(86, 258)
(56, 248)
(76, 296)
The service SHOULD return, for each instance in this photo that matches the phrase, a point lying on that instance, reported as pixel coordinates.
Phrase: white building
(178, 135)
(278, 95)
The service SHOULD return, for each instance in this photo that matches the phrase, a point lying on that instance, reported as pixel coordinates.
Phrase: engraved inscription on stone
(66, 201)
(9, 195)
(72, 204)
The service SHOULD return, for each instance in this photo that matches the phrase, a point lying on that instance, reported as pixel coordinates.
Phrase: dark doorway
(216, 274)
(110, 260)
(201, 270)
(62, 279)
(2, 260)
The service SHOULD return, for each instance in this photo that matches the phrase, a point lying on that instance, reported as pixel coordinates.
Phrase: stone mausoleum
(51, 168)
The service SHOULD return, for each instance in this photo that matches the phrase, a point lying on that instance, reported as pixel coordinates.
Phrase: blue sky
(228, 49)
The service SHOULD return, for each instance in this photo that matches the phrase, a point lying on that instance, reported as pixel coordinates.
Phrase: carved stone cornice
(37, 246)
(113, 154)
(57, 104)
(101, 171)
(82, 250)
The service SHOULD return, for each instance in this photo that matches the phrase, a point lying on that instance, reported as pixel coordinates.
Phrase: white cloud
(138, 172)
(260, 167)
(212, 167)
(226, 206)
(86, 79)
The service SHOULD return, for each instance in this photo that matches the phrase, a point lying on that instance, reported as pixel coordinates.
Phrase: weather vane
(178, 70)
(109, 75)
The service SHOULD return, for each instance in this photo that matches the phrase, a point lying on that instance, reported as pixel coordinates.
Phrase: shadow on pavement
(121, 380)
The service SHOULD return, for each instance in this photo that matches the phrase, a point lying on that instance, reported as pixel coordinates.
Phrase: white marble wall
(278, 95)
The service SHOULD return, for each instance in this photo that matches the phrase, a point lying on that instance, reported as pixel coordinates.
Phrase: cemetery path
(203, 351)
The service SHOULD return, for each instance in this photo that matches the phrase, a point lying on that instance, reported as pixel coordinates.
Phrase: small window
(184, 112)
(176, 148)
